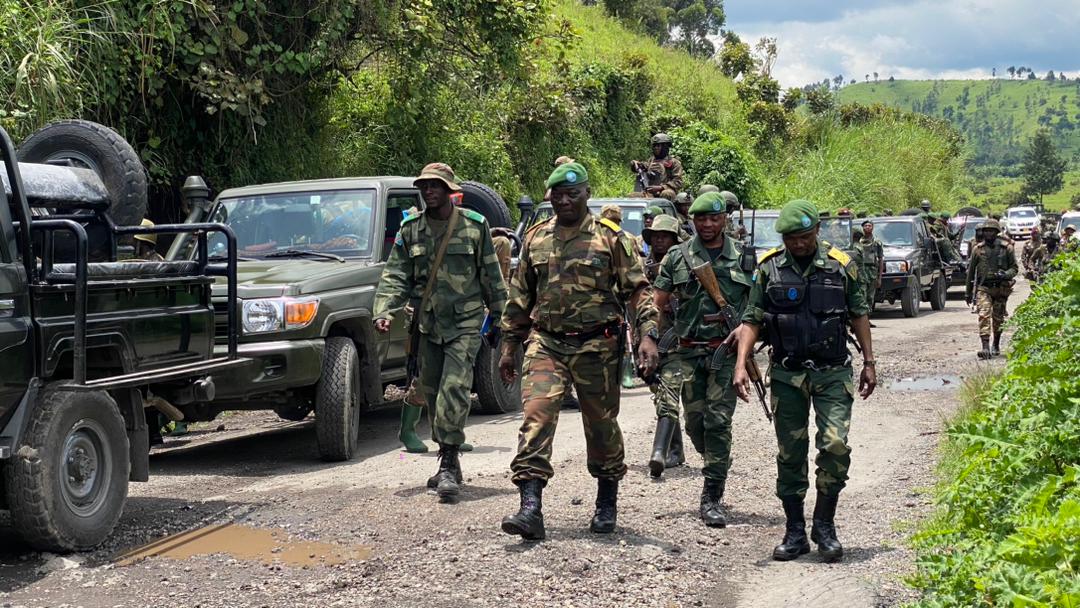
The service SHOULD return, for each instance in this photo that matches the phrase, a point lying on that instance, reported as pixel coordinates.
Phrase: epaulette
(610, 224)
(839, 256)
(768, 254)
(474, 216)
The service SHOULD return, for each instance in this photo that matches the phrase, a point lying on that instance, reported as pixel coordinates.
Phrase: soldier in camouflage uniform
(665, 172)
(870, 254)
(991, 269)
(667, 443)
(468, 279)
(1033, 255)
(651, 213)
(736, 230)
(807, 295)
(576, 276)
(702, 327)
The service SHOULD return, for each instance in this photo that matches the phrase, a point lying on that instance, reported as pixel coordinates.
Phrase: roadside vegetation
(1007, 529)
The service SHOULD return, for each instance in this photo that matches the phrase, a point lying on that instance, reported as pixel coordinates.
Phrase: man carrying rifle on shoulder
(806, 294)
(705, 278)
(443, 262)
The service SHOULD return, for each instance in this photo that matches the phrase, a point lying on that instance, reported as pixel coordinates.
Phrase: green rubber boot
(627, 372)
(465, 447)
(407, 434)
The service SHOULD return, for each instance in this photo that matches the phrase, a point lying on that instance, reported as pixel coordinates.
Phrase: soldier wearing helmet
(990, 274)
(663, 172)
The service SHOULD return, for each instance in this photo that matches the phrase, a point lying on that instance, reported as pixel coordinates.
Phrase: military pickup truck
(86, 345)
(310, 257)
(914, 270)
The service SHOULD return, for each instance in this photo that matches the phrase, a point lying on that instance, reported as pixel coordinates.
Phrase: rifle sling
(721, 303)
(437, 263)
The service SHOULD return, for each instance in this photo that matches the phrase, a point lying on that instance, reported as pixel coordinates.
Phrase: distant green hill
(997, 117)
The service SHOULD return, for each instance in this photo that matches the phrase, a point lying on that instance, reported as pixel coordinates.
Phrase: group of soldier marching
(579, 278)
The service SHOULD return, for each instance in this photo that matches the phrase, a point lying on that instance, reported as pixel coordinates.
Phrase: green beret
(710, 202)
(654, 211)
(568, 175)
(797, 216)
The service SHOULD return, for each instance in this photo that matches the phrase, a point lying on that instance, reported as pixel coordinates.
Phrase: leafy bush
(1007, 530)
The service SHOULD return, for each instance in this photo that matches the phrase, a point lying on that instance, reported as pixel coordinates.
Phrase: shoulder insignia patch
(474, 216)
(839, 256)
(610, 224)
(411, 218)
(768, 254)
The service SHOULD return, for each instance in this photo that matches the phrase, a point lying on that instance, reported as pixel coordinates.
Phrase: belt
(815, 365)
(609, 330)
(714, 343)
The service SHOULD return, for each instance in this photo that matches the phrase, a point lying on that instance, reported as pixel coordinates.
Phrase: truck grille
(221, 320)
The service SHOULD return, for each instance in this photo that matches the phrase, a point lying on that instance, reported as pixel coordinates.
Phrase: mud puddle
(246, 543)
(929, 383)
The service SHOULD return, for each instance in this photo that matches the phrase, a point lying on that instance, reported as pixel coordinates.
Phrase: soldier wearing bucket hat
(807, 294)
(701, 324)
(146, 245)
(443, 264)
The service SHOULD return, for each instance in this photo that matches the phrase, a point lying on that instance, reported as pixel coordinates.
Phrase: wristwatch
(869, 363)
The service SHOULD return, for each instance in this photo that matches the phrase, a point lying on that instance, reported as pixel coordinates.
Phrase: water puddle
(929, 383)
(247, 543)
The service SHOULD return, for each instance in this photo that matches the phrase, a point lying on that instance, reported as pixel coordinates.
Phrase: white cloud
(911, 39)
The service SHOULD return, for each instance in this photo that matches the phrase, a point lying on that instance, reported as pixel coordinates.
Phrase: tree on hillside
(892, 78)
(684, 24)
(838, 81)
(792, 98)
(819, 100)
(735, 56)
(1050, 76)
(993, 72)
(1011, 70)
(1031, 76)
(648, 17)
(1043, 168)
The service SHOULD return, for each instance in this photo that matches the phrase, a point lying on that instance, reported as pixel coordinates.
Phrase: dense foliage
(1008, 528)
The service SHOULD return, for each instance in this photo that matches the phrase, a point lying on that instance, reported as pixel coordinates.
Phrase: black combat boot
(712, 509)
(448, 479)
(795, 542)
(824, 531)
(996, 349)
(607, 495)
(661, 441)
(985, 352)
(528, 522)
(675, 454)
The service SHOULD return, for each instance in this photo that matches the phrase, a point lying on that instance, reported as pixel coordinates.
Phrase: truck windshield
(895, 234)
(837, 231)
(1026, 214)
(765, 237)
(338, 222)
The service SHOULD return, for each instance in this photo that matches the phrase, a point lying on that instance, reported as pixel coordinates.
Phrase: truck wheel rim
(78, 159)
(85, 468)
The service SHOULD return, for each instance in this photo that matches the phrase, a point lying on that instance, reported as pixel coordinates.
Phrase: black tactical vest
(806, 317)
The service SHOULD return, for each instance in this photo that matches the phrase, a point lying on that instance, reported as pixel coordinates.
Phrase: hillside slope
(997, 117)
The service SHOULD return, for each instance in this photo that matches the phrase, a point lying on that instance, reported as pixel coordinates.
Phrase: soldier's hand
(867, 381)
(648, 356)
(382, 325)
(507, 368)
(654, 189)
(741, 382)
(633, 165)
(732, 339)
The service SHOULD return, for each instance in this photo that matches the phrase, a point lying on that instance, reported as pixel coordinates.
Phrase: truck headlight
(895, 267)
(275, 314)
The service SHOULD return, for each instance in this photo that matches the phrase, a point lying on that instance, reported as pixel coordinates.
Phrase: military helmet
(991, 225)
(661, 138)
(683, 198)
(925, 204)
(706, 188)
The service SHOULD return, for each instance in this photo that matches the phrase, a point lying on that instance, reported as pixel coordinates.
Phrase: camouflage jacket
(986, 261)
(575, 285)
(666, 172)
(869, 254)
(468, 279)
(677, 278)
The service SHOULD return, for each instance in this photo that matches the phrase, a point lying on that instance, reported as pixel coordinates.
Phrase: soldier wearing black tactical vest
(807, 294)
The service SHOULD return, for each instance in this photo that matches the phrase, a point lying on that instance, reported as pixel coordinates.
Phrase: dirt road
(396, 546)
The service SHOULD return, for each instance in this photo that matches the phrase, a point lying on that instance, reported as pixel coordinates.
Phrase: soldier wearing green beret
(576, 276)
(807, 294)
(702, 322)
(444, 265)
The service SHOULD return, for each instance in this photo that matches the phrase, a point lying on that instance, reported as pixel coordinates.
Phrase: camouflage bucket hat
(662, 223)
(441, 172)
(147, 238)
(612, 212)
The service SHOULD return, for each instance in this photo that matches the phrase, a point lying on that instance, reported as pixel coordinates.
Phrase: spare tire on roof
(486, 202)
(969, 211)
(912, 211)
(98, 148)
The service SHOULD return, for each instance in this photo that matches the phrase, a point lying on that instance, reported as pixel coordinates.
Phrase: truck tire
(494, 396)
(97, 147)
(910, 299)
(487, 203)
(68, 481)
(337, 401)
(912, 211)
(938, 293)
(968, 211)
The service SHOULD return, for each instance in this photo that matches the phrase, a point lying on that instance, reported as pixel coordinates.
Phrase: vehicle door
(928, 258)
(16, 326)
(398, 203)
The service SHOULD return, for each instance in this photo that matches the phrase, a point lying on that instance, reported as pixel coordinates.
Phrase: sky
(911, 39)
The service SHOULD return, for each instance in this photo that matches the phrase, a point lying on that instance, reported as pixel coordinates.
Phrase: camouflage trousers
(868, 285)
(831, 393)
(446, 379)
(990, 302)
(709, 403)
(666, 393)
(546, 377)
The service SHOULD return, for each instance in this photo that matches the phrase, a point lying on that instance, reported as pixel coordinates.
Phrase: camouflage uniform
(708, 395)
(666, 392)
(868, 255)
(991, 292)
(567, 300)
(502, 246)
(468, 280)
(827, 385)
(669, 174)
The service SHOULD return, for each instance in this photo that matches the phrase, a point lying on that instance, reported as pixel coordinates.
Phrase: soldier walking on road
(806, 294)
(702, 325)
(871, 256)
(443, 263)
(667, 449)
(1034, 255)
(664, 172)
(576, 276)
(990, 274)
